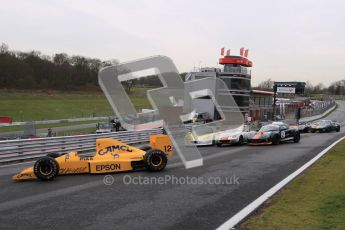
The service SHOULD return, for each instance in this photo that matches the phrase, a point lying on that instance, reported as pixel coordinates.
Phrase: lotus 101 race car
(324, 126)
(274, 134)
(111, 156)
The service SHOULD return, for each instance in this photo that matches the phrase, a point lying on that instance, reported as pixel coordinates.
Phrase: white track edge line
(229, 224)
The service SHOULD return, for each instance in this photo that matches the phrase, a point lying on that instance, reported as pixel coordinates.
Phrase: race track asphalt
(85, 202)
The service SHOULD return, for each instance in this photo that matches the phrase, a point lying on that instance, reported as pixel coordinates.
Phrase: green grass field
(76, 132)
(315, 200)
(30, 106)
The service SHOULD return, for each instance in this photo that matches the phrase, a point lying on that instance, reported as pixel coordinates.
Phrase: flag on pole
(222, 51)
(241, 51)
(228, 52)
(246, 52)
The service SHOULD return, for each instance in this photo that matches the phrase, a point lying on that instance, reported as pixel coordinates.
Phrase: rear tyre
(275, 140)
(219, 144)
(46, 168)
(155, 160)
(338, 129)
(297, 138)
(145, 147)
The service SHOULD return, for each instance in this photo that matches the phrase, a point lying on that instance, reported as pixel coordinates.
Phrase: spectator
(50, 132)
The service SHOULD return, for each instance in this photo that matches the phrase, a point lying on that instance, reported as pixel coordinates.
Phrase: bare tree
(309, 88)
(3, 48)
(268, 84)
(319, 88)
(337, 88)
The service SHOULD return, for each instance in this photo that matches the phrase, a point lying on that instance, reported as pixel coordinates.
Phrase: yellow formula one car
(111, 156)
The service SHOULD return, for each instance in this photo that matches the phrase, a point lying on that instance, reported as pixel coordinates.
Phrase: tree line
(335, 88)
(34, 70)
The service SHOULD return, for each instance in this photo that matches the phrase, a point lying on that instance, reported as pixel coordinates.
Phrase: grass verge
(46, 126)
(314, 200)
(51, 105)
(76, 132)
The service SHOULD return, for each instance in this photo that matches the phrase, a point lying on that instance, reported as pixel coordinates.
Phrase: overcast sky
(287, 40)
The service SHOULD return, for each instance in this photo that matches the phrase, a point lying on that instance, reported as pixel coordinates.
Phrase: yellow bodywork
(111, 156)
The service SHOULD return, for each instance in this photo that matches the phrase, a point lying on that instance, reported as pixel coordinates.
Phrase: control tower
(237, 76)
(235, 73)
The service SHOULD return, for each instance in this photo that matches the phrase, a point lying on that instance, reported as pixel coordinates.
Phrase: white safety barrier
(17, 150)
(308, 119)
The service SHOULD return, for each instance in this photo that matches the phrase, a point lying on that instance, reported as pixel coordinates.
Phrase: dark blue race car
(325, 126)
(274, 134)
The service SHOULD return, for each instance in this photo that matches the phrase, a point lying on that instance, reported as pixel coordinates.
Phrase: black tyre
(275, 140)
(46, 168)
(145, 147)
(297, 138)
(313, 130)
(155, 160)
(240, 140)
(54, 155)
(219, 144)
(338, 129)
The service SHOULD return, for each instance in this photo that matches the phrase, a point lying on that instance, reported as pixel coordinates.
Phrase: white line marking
(229, 224)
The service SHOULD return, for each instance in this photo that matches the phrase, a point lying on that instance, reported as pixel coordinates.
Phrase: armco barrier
(53, 121)
(316, 117)
(17, 150)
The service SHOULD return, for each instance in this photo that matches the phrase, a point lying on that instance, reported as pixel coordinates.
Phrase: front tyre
(46, 168)
(155, 160)
(297, 138)
(54, 155)
(275, 140)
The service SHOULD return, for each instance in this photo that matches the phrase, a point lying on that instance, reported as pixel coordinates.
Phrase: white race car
(200, 135)
(232, 136)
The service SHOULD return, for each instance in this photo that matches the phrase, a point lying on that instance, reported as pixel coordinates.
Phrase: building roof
(262, 92)
(235, 60)
(289, 83)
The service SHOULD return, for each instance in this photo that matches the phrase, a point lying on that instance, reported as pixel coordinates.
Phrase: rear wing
(162, 142)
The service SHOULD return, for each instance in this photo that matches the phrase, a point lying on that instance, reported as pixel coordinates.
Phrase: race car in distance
(201, 136)
(325, 126)
(199, 118)
(304, 127)
(274, 134)
(111, 156)
(232, 136)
